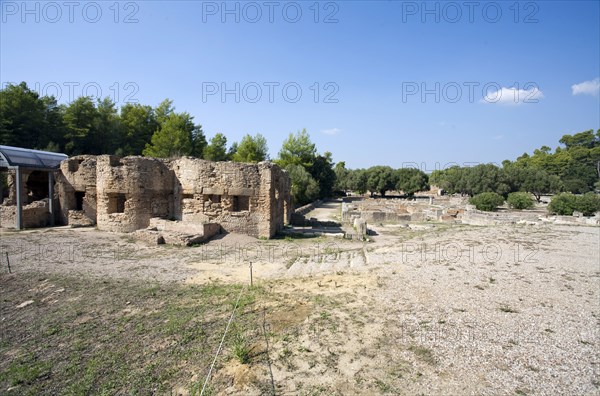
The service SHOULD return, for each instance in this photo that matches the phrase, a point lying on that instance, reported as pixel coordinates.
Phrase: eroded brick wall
(242, 198)
(76, 188)
(279, 198)
(35, 215)
(131, 191)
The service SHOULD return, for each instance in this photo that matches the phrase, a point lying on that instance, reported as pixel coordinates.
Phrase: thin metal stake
(221, 344)
(250, 273)
(264, 326)
(7, 262)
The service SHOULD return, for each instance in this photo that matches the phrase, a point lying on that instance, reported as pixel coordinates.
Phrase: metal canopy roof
(11, 157)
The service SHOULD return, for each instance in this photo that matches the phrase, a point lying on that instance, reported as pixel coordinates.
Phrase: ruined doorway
(37, 186)
(79, 197)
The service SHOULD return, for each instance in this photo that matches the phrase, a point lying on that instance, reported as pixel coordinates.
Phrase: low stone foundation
(473, 216)
(477, 217)
(78, 218)
(36, 214)
(393, 210)
(298, 218)
(178, 233)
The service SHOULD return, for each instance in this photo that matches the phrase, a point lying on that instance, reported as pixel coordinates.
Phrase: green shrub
(487, 201)
(520, 200)
(566, 203)
(562, 204)
(588, 203)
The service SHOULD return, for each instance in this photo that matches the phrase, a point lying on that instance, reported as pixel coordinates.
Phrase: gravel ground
(89, 252)
(443, 310)
(518, 312)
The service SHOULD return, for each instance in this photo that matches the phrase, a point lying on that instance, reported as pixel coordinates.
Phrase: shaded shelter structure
(38, 168)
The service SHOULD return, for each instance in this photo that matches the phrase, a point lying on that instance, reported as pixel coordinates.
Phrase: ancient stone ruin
(184, 200)
(397, 210)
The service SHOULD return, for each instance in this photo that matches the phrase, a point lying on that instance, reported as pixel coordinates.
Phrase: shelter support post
(51, 197)
(18, 182)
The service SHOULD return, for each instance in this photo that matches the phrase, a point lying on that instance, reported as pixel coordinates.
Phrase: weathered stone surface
(417, 216)
(454, 212)
(152, 237)
(76, 188)
(176, 232)
(388, 211)
(360, 225)
(252, 199)
(207, 229)
(298, 220)
(35, 215)
(131, 191)
(447, 218)
(240, 191)
(176, 238)
(124, 194)
(476, 217)
(78, 218)
(213, 190)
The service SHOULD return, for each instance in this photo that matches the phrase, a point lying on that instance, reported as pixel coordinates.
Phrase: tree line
(97, 127)
(381, 179)
(573, 168)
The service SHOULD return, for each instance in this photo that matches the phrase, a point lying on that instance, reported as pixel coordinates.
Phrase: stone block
(213, 190)
(240, 191)
(360, 225)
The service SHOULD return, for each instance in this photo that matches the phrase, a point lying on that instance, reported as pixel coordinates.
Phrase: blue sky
(382, 82)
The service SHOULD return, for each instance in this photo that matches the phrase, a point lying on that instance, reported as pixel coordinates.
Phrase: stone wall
(123, 194)
(132, 190)
(76, 188)
(378, 210)
(473, 216)
(34, 186)
(250, 199)
(280, 198)
(302, 210)
(35, 214)
(398, 210)
(297, 217)
(229, 194)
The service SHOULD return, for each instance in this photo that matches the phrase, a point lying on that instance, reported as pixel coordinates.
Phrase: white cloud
(591, 87)
(332, 131)
(513, 96)
(446, 124)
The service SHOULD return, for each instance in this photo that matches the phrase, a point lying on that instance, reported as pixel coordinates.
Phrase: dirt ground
(438, 309)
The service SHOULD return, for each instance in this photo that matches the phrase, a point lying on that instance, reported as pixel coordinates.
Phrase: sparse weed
(507, 309)
(241, 350)
(423, 353)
